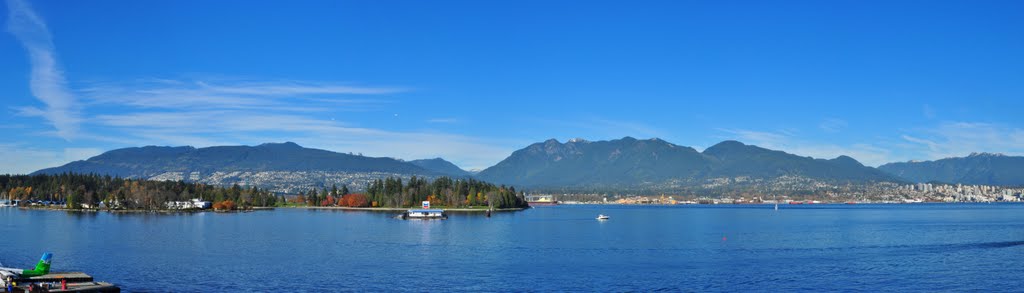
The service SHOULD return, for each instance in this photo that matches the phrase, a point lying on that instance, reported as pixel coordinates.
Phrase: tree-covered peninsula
(77, 191)
(441, 192)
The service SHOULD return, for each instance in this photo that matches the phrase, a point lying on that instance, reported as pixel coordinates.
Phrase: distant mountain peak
(286, 144)
(441, 166)
(578, 140)
(656, 140)
(728, 147)
(984, 154)
(728, 143)
(847, 160)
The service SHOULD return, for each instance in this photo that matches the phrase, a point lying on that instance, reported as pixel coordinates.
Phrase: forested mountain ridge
(630, 163)
(150, 161)
(442, 166)
(279, 167)
(977, 168)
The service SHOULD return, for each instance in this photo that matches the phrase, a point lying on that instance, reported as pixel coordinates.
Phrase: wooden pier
(72, 281)
(75, 277)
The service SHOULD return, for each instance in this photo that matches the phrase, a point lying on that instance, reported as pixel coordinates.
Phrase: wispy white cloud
(752, 136)
(928, 111)
(931, 145)
(205, 113)
(944, 140)
(47, 81)
(24, 159)
(466, 152)
(236, 95)
(833, 125)
(13, 126)
(208, 128)
(75, 154)
(627, 128)
(443, 120)
(868, 154)
(954, 139)
(289, 88)
(596, 128)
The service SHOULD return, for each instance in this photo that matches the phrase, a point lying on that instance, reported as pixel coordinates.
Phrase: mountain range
(621, 164)
(629, 162)
(144, 162)
(977, 168)
(282, 167)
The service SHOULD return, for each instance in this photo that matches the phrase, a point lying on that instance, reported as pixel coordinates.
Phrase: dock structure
(98, 287)
(69, 277)
(64, 282)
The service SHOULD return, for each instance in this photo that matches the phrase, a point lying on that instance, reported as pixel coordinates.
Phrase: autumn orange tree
(356, 200)
(329, 201)
(227, 205)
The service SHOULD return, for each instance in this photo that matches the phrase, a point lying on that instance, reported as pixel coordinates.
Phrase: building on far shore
(195, 203)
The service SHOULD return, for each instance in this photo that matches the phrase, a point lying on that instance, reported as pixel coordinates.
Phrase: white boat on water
(602, 217)
(8, 203)
(424, 214)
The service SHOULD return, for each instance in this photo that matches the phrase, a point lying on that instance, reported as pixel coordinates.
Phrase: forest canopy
(88, 191)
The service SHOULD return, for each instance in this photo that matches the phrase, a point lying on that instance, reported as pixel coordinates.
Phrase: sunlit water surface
(925, 247)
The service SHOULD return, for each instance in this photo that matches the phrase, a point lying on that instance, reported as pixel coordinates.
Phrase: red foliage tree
(299, 200)
(329, 201)
(227, 205)
(356, 200)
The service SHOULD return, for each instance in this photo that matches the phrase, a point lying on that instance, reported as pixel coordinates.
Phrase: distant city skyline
(471, 82)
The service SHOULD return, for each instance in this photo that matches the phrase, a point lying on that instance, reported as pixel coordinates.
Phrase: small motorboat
(602, 217)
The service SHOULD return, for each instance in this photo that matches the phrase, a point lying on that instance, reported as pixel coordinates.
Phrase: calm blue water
(933, 247)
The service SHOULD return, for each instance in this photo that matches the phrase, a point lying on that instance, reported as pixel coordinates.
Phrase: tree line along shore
(90, 191)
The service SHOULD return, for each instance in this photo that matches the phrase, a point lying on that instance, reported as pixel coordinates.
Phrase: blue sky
(472, 81)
